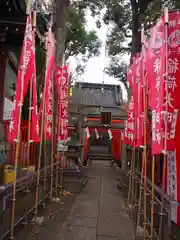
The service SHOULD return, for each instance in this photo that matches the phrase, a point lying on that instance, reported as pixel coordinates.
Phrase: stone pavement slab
(109, 238)
(82, 221)
(115, 226)
(99, 211)
(86, 208)
(77, 233)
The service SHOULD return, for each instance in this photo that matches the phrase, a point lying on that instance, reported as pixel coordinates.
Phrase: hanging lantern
(87, 133)
(96, 132)
(122, 135)
(110, 134)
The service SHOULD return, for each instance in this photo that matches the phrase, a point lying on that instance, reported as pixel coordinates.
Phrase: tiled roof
(93, 94)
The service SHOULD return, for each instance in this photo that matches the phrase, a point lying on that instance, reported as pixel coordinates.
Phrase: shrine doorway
(101, 147)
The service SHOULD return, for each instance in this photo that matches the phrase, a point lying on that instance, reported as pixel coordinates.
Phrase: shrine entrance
(100, 148)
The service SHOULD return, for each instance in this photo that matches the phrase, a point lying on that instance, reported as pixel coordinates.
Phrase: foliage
(118, 70)
(125, 18)
(79, 39)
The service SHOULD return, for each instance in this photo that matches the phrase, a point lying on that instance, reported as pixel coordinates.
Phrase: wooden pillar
(3, 65)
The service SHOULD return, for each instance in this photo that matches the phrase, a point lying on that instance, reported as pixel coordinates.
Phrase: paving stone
(77, 233)
(85, 208)
(82, 222)
(117, 225)
(109, 238)
(98, 212)
(111, 205)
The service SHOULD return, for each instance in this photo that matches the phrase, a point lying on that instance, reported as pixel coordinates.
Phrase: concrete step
(100, 157)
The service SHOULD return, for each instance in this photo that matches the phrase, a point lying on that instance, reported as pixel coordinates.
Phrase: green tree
(125, 18)
(78, 41)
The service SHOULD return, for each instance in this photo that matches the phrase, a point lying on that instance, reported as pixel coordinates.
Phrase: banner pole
(140, 197)
(137, 182)
(57, 157)
(41, 138)
(52, 142)
(166, 25)
(152, 198)
(28, 12)
(133, 183)
(130, 184)
(45, 162)
(30, 111)
(145, 137)
(143, 181)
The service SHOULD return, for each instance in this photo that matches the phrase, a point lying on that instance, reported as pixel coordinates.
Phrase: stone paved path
(99, 211)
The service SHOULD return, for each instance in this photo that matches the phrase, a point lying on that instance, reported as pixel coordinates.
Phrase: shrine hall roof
(90, 99)
(95, 95)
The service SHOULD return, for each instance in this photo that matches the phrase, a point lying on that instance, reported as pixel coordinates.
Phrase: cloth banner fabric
(35, 115)
(62, 81)
(25, 72)
(164, 89)
(48, 91)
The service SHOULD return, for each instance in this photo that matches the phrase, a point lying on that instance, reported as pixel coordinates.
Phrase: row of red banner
(26, 74)
(153, 77)
(155, 72)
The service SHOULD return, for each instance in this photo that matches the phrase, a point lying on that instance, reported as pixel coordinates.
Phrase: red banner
(129, 125)
(35, 114)
(138, 100)
(25, 72)
(64, 104)
(61, 78)
(129, 133)
(155, 78)
(47, 94)
(164, 90)
(172, 96)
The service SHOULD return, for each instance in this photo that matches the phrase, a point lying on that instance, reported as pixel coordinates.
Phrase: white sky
(95, 66)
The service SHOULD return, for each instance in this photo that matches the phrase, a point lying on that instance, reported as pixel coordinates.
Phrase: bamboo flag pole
(143, 181)
(41, 141)
(45, 164)
(166, 23)
(140, 199)
(62, 155)
(52, 140)
(152, 199)
(30, 110)
(45, 143)
(28, 9)
(145, 138)
(133, 185)
(58, 184)
(57, 157)
(30, 97)
(137, 182)
(130, 184)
